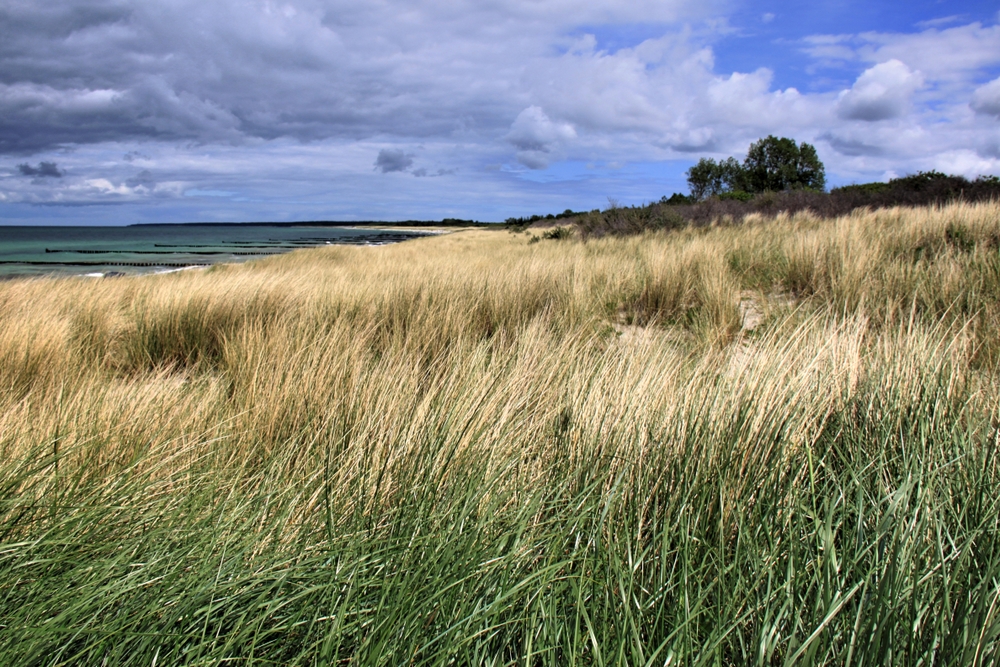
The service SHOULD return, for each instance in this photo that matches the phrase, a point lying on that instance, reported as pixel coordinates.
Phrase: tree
(775, 164)
(772, 164)
(709, 178)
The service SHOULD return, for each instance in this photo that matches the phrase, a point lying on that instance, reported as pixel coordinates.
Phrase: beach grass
(764, 443)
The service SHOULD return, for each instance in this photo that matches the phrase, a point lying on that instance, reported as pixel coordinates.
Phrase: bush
(677, 199)
(558, 233)
(736, 195)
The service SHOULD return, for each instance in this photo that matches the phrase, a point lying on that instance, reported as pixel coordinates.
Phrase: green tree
(709, 178)
(772, 164)
(775, 164)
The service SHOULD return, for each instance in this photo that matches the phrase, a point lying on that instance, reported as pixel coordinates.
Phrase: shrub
(736, 195)
(558, 233)
(677, 199)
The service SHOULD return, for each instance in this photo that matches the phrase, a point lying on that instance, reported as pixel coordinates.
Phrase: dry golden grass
(346, 342)
(358, 342)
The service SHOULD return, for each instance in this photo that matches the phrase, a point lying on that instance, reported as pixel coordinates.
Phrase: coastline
(58, 252)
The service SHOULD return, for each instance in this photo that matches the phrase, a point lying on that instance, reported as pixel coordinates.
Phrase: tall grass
(475, 450)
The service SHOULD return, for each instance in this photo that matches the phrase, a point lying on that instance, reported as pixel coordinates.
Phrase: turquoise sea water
(34, 251)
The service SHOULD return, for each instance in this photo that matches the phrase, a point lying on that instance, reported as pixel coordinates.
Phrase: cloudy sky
(119, 111)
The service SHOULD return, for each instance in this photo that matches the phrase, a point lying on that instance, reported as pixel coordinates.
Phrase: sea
(112, 251)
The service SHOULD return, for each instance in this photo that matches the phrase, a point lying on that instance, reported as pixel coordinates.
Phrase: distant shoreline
(361, 224)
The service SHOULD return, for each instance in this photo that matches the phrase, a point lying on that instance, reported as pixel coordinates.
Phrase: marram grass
(472, 450)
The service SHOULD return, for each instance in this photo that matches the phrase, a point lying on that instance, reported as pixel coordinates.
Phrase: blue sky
(116, 111)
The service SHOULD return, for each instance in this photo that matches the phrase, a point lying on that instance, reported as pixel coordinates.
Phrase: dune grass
(473, 449)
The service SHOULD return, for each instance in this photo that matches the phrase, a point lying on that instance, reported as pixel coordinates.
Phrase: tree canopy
(772, 164)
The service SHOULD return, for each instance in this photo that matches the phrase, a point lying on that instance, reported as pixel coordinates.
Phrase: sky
(125, 111)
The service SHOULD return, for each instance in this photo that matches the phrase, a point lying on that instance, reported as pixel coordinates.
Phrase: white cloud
(663, 97)
(939, 54)
(881, 92)
(104, 186)
(938, 22)
(967, 163)
(926, 94)
(829, 48)
(537, 138)
(747, 101)
(31, 95)
(951, 54)
(986, 99)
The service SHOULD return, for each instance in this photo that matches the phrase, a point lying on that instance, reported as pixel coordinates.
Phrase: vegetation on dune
(772, 443)
(680, 211)
(777, 177)
(520, 223)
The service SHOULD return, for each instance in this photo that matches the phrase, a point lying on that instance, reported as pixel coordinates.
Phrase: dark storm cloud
(851, 147)
(390, 159)
(229, 72)
(55, 20)
(236, 71)
(44, 169)
(687, 147)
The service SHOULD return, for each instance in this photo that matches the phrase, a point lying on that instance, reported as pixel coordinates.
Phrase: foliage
(861, 188)
(709, 178)
(558, 233)
(776, 164)
(525, 221)
(772, 165)
(677, 199)
(458, 222)
(924, 189)
(735, 195)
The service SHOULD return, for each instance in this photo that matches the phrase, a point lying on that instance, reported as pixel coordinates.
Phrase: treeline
(922, 189)
(551, 217)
